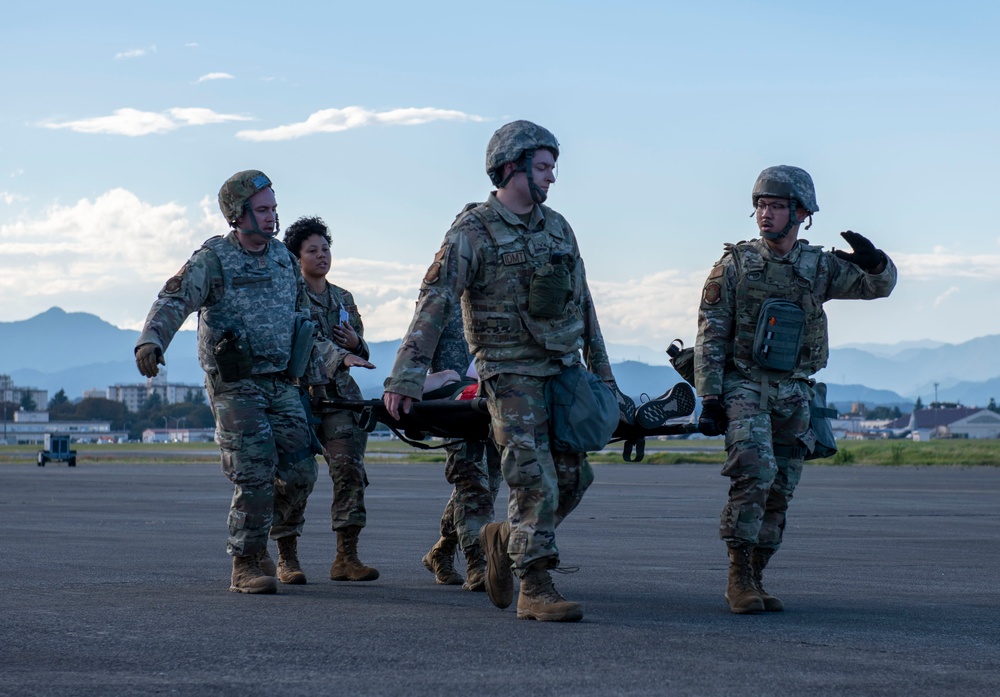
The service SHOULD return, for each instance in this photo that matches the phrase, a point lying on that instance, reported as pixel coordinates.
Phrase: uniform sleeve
(850, 282)
(355, 318)
(716, 319)
(595, 352)
(197, 284)
(315, 373)
(446, 279)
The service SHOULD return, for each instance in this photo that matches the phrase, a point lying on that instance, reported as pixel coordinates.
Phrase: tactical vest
(498, 325)
(258, 303)
(760, 281)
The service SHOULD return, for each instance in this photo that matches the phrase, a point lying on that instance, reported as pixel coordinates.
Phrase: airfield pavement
(116, 583)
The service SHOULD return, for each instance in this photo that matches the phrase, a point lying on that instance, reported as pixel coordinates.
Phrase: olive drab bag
(583, 411)
(682, 359)
(819, 421)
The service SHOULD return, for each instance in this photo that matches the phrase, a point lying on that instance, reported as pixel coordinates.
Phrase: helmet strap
(255, 230)
(537, 195)
(792, 222)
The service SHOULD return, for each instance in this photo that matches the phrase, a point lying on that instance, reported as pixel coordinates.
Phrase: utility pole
(935, 394)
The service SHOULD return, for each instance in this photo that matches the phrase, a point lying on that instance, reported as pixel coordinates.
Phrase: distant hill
(77, 351)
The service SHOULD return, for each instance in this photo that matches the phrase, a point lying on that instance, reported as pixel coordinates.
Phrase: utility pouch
(303, 338)
(682, 359)
(778, 340)
(550, 288)
(819, 421)
(233, 357)
(583, 411)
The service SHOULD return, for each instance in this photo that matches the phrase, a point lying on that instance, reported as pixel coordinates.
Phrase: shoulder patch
(717, 271)
(713, 293)
(174, 283)
(434, 271)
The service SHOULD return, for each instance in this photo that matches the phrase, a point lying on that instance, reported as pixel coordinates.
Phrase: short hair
(302, 229)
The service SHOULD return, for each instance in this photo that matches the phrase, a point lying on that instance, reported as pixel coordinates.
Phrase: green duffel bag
(583, 411)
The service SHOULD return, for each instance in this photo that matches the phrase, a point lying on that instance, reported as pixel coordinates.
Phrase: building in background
(30, 428)
(11, 393)
(134, 395)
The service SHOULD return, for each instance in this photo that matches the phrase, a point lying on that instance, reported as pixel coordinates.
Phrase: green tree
(101, 409)
(28, 402)
(992, 406)
(58, 399)
(918, 405)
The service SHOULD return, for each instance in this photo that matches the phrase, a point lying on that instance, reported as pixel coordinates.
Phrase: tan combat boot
(539, 599)
(741, 593)
(493, 539)
(758, 560)
(248, 577)
(267, 564)
(475, 569)
(289, 570)
(440, 561)
(347, 566)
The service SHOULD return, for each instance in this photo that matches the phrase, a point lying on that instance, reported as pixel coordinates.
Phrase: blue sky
(121, 121)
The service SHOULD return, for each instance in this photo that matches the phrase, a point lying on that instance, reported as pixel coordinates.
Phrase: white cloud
(17, 173)
(135, 52)
(216, 76)
(109, 256)
(943, 297)
(132, 122)
(191, 44)
(9, 198)
(336, 120)
(941, 264)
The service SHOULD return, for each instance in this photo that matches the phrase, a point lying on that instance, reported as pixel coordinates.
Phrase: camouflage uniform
(343, 442)
(487, 261)
(472, 468)
(261, 425)
(768, 434)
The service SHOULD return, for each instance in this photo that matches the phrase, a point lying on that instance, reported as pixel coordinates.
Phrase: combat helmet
(236, 192)
(792, 183)
(509, 143)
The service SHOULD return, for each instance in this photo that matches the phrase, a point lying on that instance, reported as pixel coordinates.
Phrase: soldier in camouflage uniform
(474, 470)
(248, 292)
(342, 346)
(515, 266)
(762, 334)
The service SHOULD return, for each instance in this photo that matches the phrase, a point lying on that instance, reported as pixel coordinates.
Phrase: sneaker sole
(677, 402)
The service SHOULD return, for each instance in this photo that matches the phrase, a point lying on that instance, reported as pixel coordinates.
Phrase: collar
(535, 223)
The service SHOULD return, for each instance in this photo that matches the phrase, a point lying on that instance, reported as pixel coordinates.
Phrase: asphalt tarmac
(116, 583)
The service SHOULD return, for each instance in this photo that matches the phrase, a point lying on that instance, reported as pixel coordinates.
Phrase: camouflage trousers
(344, 451)
(261, 428)
(474, 470)
(544, 486)
(765, 448)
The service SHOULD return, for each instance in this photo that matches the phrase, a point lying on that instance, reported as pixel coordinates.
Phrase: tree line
(153, 413)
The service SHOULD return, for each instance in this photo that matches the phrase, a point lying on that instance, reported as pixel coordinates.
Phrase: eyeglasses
(775, 206)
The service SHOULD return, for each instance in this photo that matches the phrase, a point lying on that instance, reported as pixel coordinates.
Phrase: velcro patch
(512, 258)
(172, 285)
(434, 271)
(716, 271)
(713, 293)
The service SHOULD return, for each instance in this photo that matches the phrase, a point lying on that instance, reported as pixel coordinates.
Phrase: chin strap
(537, 195)
(792, 222)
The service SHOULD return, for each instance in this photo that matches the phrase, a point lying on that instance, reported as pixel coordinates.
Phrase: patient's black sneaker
(675, 403)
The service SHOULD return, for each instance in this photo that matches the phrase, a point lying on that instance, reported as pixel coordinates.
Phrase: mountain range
(77, 351)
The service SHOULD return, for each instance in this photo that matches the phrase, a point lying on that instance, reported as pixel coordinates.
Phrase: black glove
(713, 420)
(147, 357)
(864, 255)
